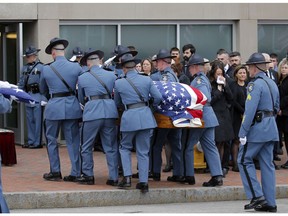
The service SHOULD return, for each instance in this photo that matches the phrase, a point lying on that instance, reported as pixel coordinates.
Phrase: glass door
(12, 40)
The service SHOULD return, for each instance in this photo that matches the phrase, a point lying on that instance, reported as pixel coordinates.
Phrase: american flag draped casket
(181, 106)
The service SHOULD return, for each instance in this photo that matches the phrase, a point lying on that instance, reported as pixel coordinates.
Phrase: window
(148, 39)
(273, 38)
(102, 37)
(207, 38)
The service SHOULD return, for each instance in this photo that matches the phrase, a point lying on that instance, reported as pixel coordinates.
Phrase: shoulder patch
(198, 80)
(250, 87)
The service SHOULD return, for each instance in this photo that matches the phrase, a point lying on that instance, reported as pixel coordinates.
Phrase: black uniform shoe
(87, 180)
(255, 202)
(156, 176)
(112, 182)
(150, 175)
(214, 181)
(175, 178)
(126, 182)
(265, 208)
(53, 176)
(135, 175)
(70, 178)
(235, 168)
(188, 179)
(26, 145)
(35, 147)
(143, 186)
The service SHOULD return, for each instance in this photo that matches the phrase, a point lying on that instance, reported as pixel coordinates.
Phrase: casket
(7, 147)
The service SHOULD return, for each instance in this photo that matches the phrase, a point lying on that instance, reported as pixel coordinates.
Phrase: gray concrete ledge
(70, 199)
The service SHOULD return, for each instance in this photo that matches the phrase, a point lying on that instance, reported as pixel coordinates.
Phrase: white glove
(82, 106)
(73, 58)
(243, 140)
(4, 84)
(43, 103)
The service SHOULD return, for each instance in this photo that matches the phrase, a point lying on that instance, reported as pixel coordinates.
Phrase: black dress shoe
(188, 179)
(53, 176)
(285, 166)
(135, 175)
(86, 180)
(175, 178)
(143, 187)
(150, 175)
(167, 168)
(276, 158)
(255, 202)
(225, 172)
(156, 176)
(70, 178)
(265, 208)
(112, 182)
(35, 147)
(26, 145)
(214, 181)
(235, 169)
(126, 182)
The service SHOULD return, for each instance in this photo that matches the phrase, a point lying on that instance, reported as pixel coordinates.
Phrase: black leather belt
(62, 94)
(136, 105)
(267, 114)
(96, 97)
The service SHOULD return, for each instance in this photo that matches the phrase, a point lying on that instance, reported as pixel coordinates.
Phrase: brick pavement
(26, 175)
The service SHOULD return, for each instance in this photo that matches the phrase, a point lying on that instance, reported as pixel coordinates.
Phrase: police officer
(29, 82)
(205, 135)
(62, 110)
(165, 73)
(5, 106)
(99, 116)
(77, 54)
(132, 91)
(258, 132)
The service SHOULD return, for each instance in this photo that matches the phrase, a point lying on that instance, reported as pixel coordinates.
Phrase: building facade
(245, 27)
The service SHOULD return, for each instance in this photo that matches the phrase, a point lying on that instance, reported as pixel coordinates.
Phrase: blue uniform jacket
(5, 105)
(202, 83)
(137, 118)
(32, 78)
(88, 85)
(60, 108)
(259, 98)
(160, 75)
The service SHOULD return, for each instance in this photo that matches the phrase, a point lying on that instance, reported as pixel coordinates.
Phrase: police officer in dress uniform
(205, 135)
(62, 110)
(132, 91)
(257, 134)
(29, 82)
(5, 106)
(165, 73)
(77, 54)
(99, 116)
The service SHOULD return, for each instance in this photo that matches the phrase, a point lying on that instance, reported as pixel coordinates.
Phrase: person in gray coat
(132, 91)
(62, 110)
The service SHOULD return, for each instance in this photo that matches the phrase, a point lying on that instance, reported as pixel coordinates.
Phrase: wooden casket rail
(165, 122)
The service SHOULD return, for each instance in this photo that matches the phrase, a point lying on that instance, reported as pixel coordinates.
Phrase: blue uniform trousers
(206, 137)
(142, 138)
(3, 205)
(70, 129)
(34, 125)
(264, 153)
(107, 130)
(161, 135)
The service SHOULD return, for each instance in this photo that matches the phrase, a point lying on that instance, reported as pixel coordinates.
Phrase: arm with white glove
(243, 140)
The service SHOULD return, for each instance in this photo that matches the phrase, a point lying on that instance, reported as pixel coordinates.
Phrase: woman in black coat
(238, 88)
(282, 118)
(221, 100)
